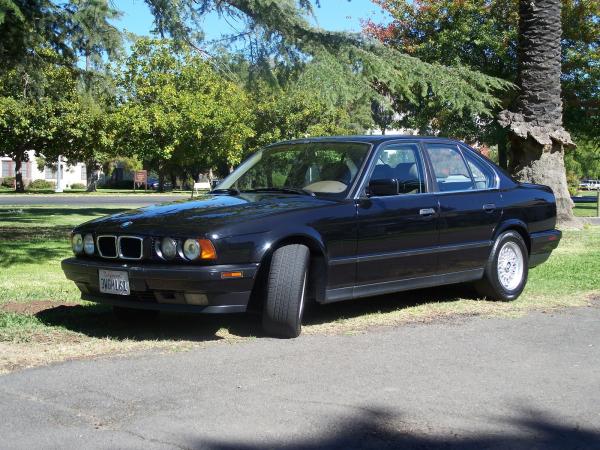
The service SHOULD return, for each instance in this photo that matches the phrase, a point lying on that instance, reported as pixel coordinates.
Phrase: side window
(449, 168)
(483, 176)
(401, 162)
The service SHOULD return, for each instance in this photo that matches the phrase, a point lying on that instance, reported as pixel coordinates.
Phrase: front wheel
(506, 271)
(286, 291)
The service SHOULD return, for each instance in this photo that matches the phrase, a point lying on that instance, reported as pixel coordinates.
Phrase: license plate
(113, 282)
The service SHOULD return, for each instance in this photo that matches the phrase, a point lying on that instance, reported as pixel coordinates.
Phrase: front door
(397, 233)
(470, 207)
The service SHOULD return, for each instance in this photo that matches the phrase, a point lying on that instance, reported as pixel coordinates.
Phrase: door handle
(427, 211)
(489, 207)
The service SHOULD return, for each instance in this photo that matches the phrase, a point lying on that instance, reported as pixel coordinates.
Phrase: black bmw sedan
(322, 219)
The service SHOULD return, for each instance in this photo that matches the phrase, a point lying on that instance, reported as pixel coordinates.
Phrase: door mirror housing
(383, 187)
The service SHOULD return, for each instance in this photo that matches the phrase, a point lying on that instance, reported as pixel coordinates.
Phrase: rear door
(397, 234)
(470, 206)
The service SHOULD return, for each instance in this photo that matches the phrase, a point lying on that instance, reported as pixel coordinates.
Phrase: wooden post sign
(140, 177)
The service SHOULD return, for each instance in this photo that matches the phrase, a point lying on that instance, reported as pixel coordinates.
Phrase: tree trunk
(90, 168)
(502, 149)
(161, 181)
(537, 137)
(19, 185)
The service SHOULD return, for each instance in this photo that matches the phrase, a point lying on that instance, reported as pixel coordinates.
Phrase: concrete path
(532, 382)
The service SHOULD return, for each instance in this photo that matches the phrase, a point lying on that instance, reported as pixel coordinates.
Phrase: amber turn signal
(207, 249)
(232, 274)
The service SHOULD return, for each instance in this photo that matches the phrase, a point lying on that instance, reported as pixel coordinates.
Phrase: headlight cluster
(81, 244)
(190, 249)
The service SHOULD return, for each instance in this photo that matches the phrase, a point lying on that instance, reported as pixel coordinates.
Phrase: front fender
(298, 235)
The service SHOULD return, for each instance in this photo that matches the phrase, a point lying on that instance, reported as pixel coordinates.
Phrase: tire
(506, 270)
(133, 315)
(286, 291)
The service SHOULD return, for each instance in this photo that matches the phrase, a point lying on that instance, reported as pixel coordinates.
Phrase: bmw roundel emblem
(126, 224)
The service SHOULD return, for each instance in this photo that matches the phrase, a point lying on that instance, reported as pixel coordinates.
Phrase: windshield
(315, 167)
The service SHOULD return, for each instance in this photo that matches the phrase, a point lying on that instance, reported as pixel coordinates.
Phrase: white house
(72, 173)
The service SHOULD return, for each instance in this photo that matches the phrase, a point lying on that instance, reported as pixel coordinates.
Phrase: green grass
(586, 209)
(83, 192)
(26, 217)
(33, 241)
(35, 329)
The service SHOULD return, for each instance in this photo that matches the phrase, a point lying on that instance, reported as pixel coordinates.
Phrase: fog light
(77, 243)
(168, 248)
(88, 244)
(194, 298)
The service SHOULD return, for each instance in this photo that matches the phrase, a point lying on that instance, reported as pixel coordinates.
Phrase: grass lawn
(586, 209)
(42, 319)
(83, 192)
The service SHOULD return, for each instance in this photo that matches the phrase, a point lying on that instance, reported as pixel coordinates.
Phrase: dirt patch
(32, 308)
(18, 356)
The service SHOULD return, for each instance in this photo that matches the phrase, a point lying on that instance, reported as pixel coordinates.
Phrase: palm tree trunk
(537, 137)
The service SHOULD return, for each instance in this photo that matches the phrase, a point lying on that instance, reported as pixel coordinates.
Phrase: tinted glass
(483, 176)
(403, 163)
(319, 167)
(449, 168)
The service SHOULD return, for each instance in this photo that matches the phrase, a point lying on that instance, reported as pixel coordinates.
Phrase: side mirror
(383, 187)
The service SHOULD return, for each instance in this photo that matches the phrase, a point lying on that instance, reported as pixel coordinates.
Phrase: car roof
(369, 139)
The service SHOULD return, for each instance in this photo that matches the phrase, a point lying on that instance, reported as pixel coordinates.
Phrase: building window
(8, 169)
(49, 173)
(83, 173)
(26, 170)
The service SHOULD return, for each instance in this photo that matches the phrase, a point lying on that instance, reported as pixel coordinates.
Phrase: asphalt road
(532, 382)
(89, 200)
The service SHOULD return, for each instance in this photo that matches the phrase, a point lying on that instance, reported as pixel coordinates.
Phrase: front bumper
(163, 287)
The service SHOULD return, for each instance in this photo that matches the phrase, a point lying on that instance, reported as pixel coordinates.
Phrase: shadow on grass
(33, 233)
(99, 321)
(25, 215)
(24, 252)
(377, 428)
(319, 314)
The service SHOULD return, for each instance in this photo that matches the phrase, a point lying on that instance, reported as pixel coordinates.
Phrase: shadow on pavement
(378, 429)
(100, 322)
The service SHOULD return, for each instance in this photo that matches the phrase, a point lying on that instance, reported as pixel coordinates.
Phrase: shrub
(8, 182)
(572, 183)
(42, 184)
(78, 186)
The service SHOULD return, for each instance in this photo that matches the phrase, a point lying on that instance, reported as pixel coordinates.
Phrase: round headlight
(191, 249)
(88, 244)
(77, 243)
(168, 247)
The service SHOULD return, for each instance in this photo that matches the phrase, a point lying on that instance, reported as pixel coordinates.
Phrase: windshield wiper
(232, 191)
(285, 190)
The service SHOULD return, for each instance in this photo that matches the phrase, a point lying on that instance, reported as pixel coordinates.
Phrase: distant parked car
(322, 219)
(153, 184)
(589, 185)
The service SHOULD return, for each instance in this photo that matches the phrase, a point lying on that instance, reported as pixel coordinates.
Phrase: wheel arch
(317, 276)
(518, 226)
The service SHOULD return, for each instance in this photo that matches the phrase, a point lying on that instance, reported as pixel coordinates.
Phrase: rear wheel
(506, 271)
(286, 291)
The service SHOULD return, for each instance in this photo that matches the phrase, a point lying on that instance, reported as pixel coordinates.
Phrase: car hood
(202, 215)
